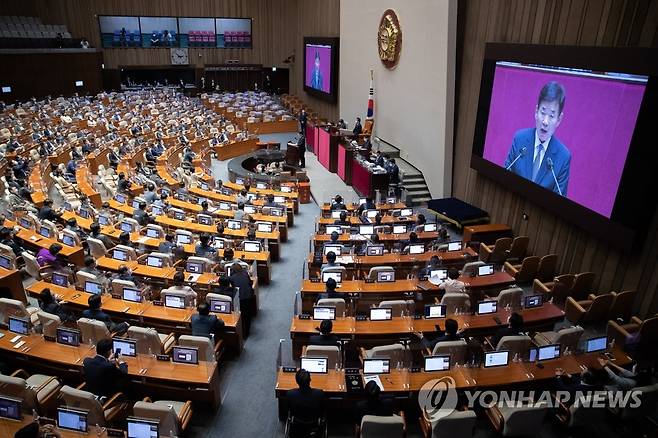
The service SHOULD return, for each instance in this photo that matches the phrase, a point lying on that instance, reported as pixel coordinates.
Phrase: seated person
(125, 273)
(72, 225)
(96, 312)
(419, 226)
(368, 205)
(514, 326)
(48, 303)
(433, 265)
(590, 379)
(180, 286)
(305, 404)
(169, 246)
(50, 257)
(104, 371)
(452, 284)
(204, 249)
(228, 258)
(123, 184)
(337, 203)
(224, 286)
(374, 404)
(205, 324)
(451, 334)
(91, 268)
(95, 232)
(48, 213)
(331, 261)
(150, 195)
(140, 214)
(330, 290)
(325, 337)
(342, 220)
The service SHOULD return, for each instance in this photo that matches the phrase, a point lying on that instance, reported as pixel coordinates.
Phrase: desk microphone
(549, 162)
(521, 153)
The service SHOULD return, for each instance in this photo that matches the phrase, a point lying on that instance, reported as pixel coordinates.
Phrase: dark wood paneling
(561, 22)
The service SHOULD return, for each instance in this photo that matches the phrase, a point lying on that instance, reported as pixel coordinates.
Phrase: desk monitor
(239, 181)
(385, 276)
(157, 210)
(142, 428)
(220, 306)
(10, 408)
(314, 364)
(433, 311)
(286, 189)
(264, 227)
(406, 212)
(154, 262)
(72, 419)
(261, 185)
(135, 204)
(5, 262)
(224, 206)
(67, 336)
(485, 270)
(68, 240)
(204, 219)
(331, 228)
(437, 363)
(93, 287)
(324, 312)
(183, 239)
(44, 231)
(174, 302)
(189, 355)
(152, 233)
(366, 230)
(454, 246)
(399, 229)
(375, 250)
(121, 199)
(19, 325)
(200, 201)
(417, 248)
(362, 201)
(60, 279)
(251, 246)
(25, 222)
(165, 191)
(194, 267)
(83, 212)
(496, 358)
(371, 214)
(391, 200)
(430, 227)
(104, 220)
(599, 343)
(6, 89)
(233, 224)
(119, 254)
(68, 206)
(126, 226)
(276, 212)
(249, 209)
(548, 352)
(130, 294)
(487, 307)
(219, 243)
(252, 196)
(335, 214)
(336, 249)
(126, 347)
(532, 301)
(204, 186)
(179, 215)
(376, 366)
(279, 199)
(441, 274)
(381, 314)
(337, 276)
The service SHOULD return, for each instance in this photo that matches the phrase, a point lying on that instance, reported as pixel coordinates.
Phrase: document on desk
(346, 260)
(142, 239)
(193, 277)
(375, 378)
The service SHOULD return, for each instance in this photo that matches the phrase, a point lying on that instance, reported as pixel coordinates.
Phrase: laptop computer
(381, 314)
(19, 325)
(154, 262)
(126, 347)
(533, 301)
(600, 343)
(416, 248)
(496, 359)
(454, 246)
(60, 279)
(324, 312)
(67, 336)
(437, 363)
(336, 249)
(485, 270)
(433, 311)
(337, 276)
(174, 302)
(385, 276)
(219, 306)
(375, 250)
(316, 365)
(93, 287)
(376, 366)
(399, 229)
(142, 428)
(487, 307)
(72, 419)
(130, 294)
(10, 408)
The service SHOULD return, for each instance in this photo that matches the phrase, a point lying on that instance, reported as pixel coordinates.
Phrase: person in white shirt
(452, 284)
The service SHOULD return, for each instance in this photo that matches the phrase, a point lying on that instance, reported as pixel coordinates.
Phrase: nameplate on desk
(289, 369)
(49, 338)
(315, 280)
(418, 316)
(304, 316)
(409, 294)
(353, 382)
(423, 278)
(415, 369)
(115, 433)
(354, 294)
(361, 318)
(162, 357)
(158, 303)
(370, 280)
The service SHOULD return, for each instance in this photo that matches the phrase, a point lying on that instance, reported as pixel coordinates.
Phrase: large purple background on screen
(597, 126)
(325, 67)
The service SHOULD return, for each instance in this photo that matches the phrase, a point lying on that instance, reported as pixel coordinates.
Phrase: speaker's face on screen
(547, 119)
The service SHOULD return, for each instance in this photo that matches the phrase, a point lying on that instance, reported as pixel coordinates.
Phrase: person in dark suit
(325, 337)
(104, 372)
(374, 404)
(368, 205)
(205, 324)
(514, 326)
(358, 129)
(96, 312)
(47, 212)
(301, 147)
(337, 203)
(451, 334)
(306, 405)
(590, 379)
(240, 279)
(342, 220)
(330, 290)
(536, 153)
(302, 122)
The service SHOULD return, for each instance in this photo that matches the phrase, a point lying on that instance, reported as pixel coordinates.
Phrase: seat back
(96, 247)
(648, 396)
(562, 288)
(84, 400)
(171, 292)
(398, 307)
(118, 285)
(524, 420)
(528, 270)
(510, 298)
(49, 323)
(156, 228)
(456, 302)
(336, 269)
(622, 305)
(457, 350)
(204, 344)
(166, 258)
(515, 344)
(10, 307)
(206, 263)
(582, 285)
(518, 248)
(31, 265)
(599, 309)
(499, 252)
(130, 252)
(148, 341)
(569, 337)
(458, 424)
(395, 352)
(331, 352)
(165, 414)
(82, 277)
(471, 268)
(382, 427)
(338, 303)
(17, 387)
(547, 266)
(375, 270)
(648, 332)
(92, 330)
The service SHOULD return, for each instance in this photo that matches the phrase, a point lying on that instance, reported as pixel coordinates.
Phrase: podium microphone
(521, 153)
(549, 162)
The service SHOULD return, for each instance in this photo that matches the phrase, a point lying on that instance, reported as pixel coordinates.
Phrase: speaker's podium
(292, 153)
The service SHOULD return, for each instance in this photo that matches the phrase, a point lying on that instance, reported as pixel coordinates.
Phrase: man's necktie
(537, 161)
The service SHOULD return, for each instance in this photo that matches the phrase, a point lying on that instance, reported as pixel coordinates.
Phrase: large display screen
(119, 31)
(233, 33)
(320, 67)
(159, 31)
(566, 130)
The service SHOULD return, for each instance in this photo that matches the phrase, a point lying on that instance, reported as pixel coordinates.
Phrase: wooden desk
(326, 207)
(386, 220)
(145, 314)
(272, 127)
(235, 148)
(161, 380)
(73, 254)
(9, 427)
(11, 280)
(486, 233)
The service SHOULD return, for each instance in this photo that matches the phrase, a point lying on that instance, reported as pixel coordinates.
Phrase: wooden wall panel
(562, 22)
(277, 30)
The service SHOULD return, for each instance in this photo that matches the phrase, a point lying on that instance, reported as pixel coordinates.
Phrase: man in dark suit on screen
(536, 153)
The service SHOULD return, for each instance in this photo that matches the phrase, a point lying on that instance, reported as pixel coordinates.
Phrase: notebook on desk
(193, 277)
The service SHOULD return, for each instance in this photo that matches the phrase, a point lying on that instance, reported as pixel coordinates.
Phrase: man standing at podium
(301, 148)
